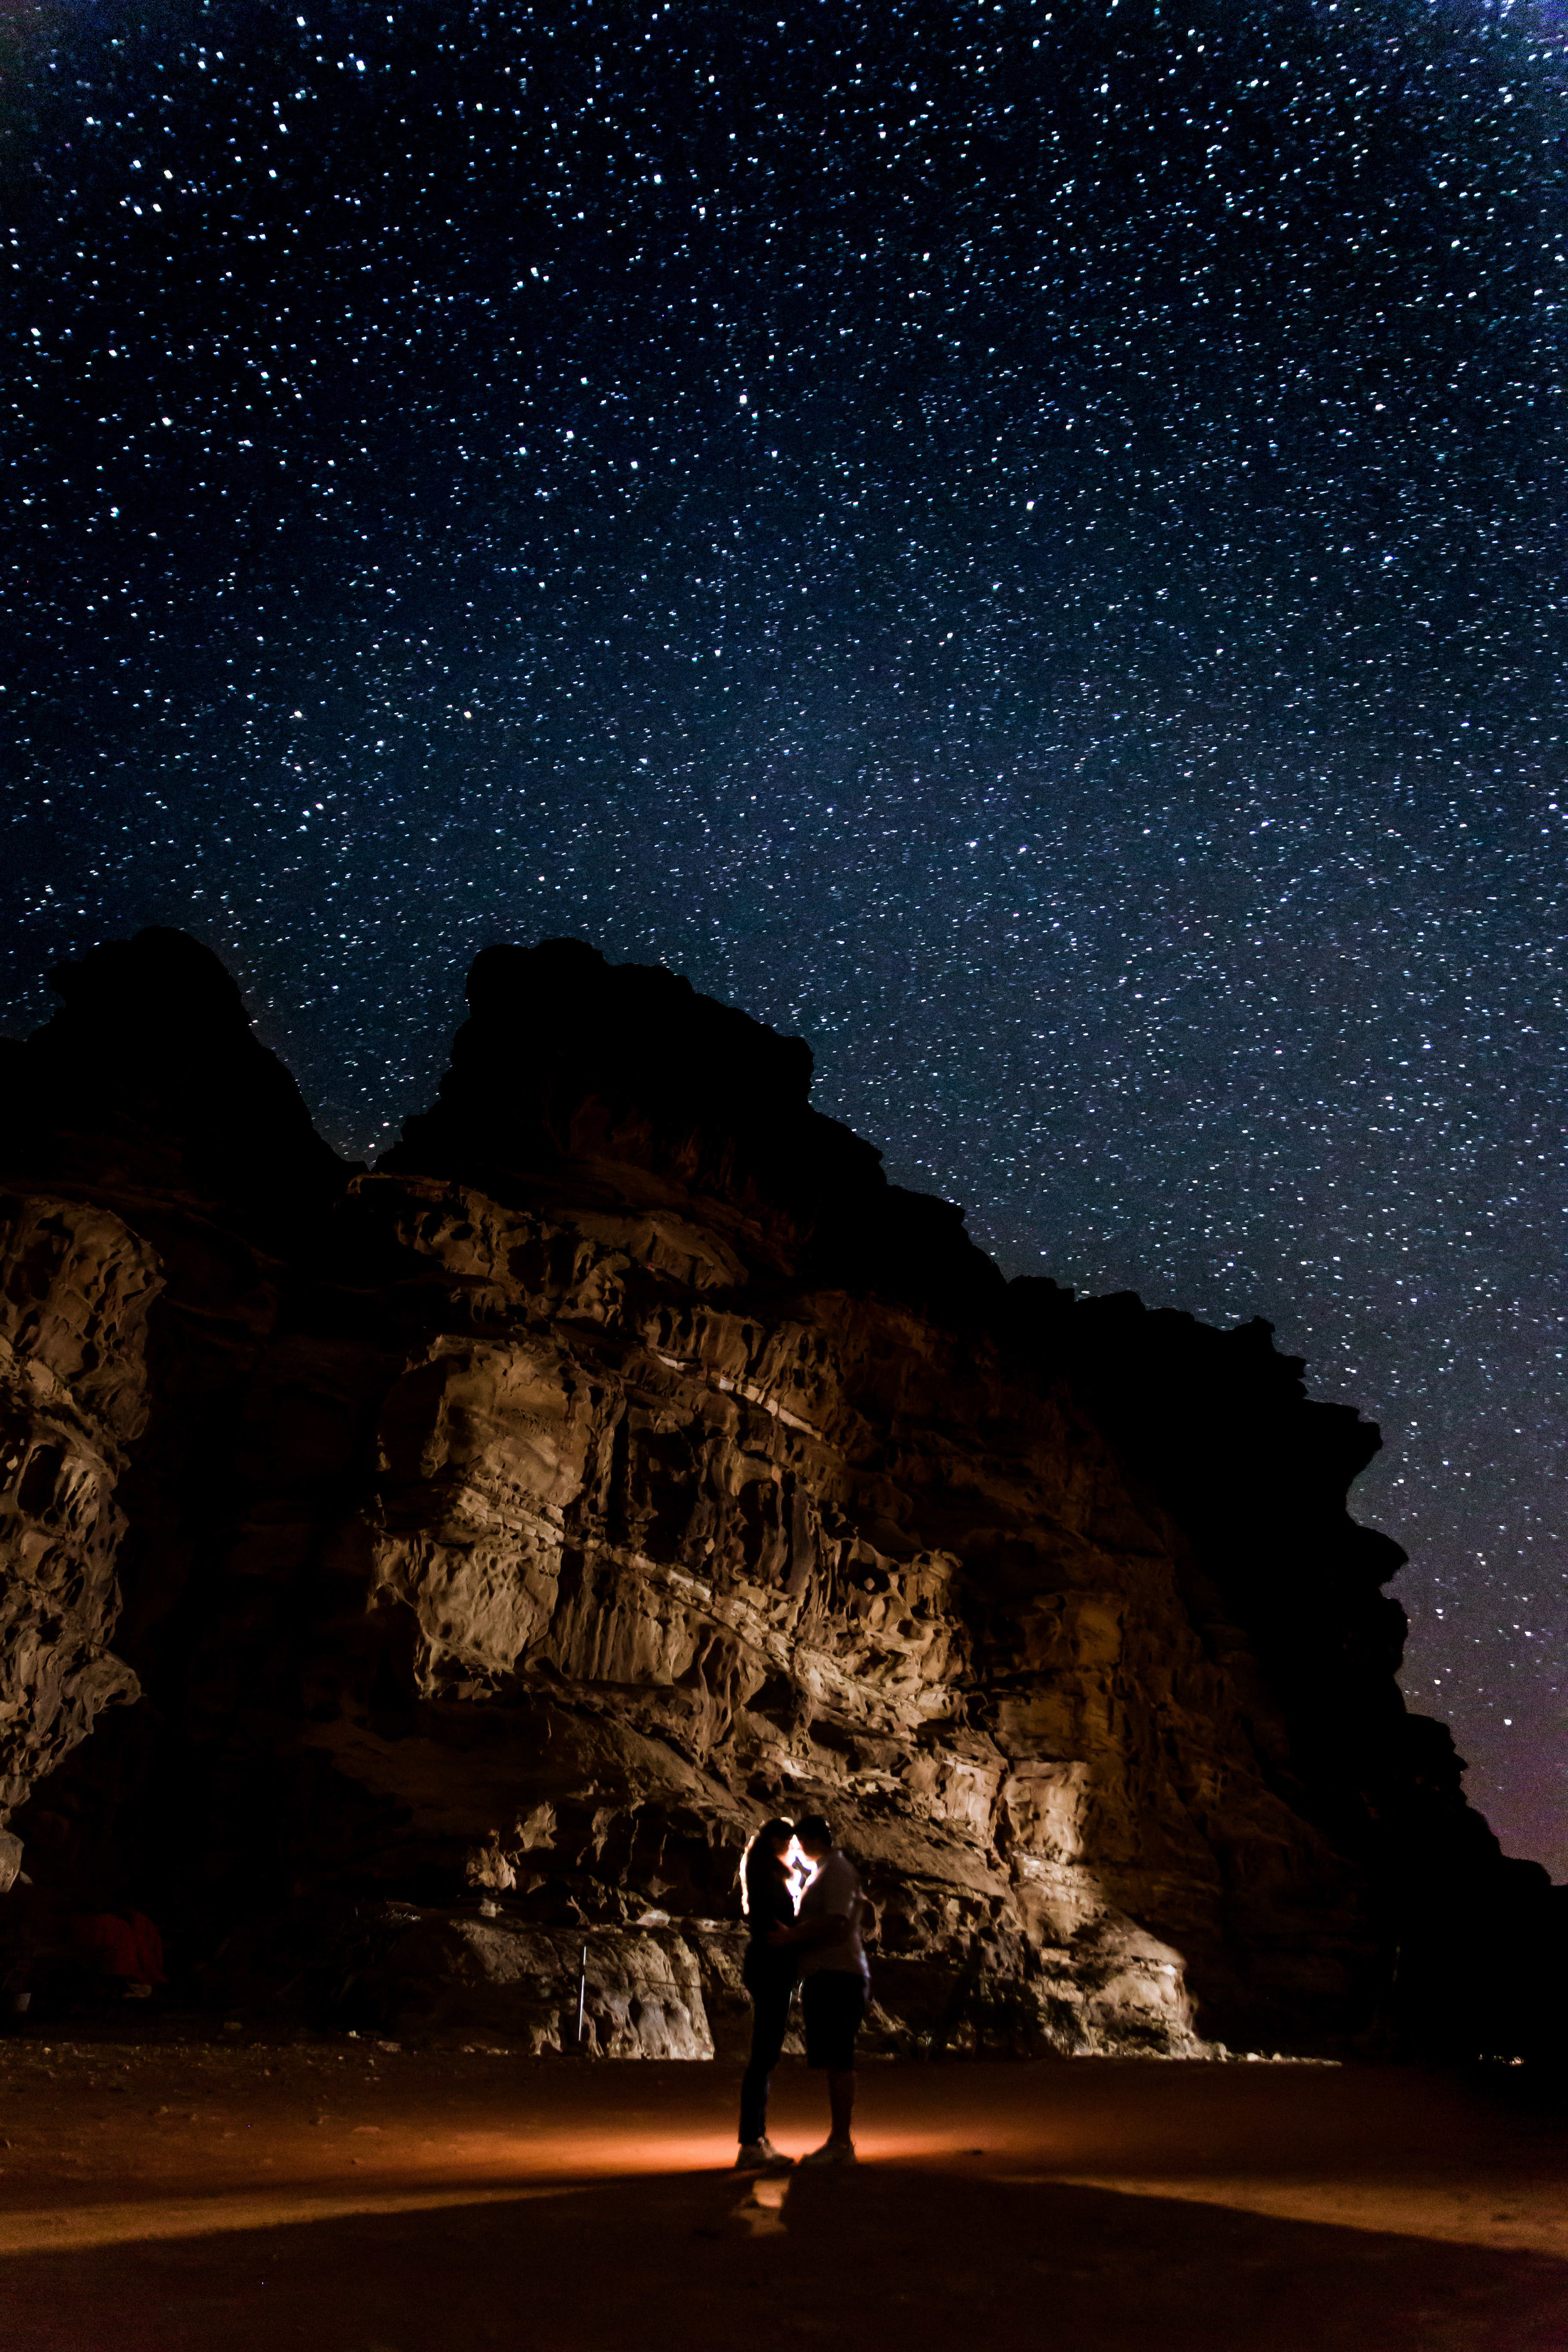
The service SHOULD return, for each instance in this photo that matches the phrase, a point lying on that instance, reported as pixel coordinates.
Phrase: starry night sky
(1021, 543)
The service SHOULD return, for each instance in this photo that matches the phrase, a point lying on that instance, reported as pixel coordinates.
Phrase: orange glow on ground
(325, 2196)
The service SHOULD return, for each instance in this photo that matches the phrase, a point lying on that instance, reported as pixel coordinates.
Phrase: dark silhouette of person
(768, 1972)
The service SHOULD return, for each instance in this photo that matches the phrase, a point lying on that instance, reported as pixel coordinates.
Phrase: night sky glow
(1021, 543)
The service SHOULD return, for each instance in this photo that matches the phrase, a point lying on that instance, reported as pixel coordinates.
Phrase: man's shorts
(834, 2001)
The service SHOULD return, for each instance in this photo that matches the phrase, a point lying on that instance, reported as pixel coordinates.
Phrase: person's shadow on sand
(882, 2255)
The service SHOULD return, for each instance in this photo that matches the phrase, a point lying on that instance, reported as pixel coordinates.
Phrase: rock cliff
(75, 1288)
(506, 1531)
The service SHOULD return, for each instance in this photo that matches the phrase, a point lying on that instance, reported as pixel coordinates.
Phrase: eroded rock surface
(76, 1284)
(624, 1461)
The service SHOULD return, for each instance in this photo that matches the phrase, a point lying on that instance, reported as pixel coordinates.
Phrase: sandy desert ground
(180, 2196)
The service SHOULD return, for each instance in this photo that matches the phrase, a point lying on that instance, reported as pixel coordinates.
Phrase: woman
(767, 1896)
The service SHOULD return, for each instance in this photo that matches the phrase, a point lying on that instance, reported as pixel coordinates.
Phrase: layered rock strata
(514, 1527)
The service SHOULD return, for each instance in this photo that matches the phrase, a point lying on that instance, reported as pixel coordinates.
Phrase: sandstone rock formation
(506, 1531)
(75, 1288)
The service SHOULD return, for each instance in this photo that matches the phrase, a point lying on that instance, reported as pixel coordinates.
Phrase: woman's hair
(759, 1846)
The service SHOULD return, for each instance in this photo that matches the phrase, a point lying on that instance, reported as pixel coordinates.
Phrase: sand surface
(181, 2198)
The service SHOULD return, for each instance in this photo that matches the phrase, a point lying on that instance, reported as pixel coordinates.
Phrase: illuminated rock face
(75, 1288)
(674, 1558)
(626, 1462)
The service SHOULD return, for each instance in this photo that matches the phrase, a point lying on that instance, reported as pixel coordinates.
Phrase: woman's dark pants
(770, 1990)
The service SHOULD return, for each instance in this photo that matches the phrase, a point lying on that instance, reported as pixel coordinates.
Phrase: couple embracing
(816, 1943)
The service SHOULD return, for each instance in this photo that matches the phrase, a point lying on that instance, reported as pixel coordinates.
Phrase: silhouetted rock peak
(622, 1082)
(159, 993)
(152, 1073)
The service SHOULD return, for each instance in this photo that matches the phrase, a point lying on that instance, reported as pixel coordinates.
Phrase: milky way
(1023, 544)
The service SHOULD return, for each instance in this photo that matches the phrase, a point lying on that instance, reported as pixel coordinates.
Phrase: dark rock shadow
(885, 2256)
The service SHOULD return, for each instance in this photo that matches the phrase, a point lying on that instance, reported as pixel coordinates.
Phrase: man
(835, 1981)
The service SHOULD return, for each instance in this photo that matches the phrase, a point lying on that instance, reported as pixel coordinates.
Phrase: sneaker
(762, 2156)
(833, 2151)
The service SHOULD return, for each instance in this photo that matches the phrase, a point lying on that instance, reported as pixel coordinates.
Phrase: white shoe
(762, 2156)
(833, 2151)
